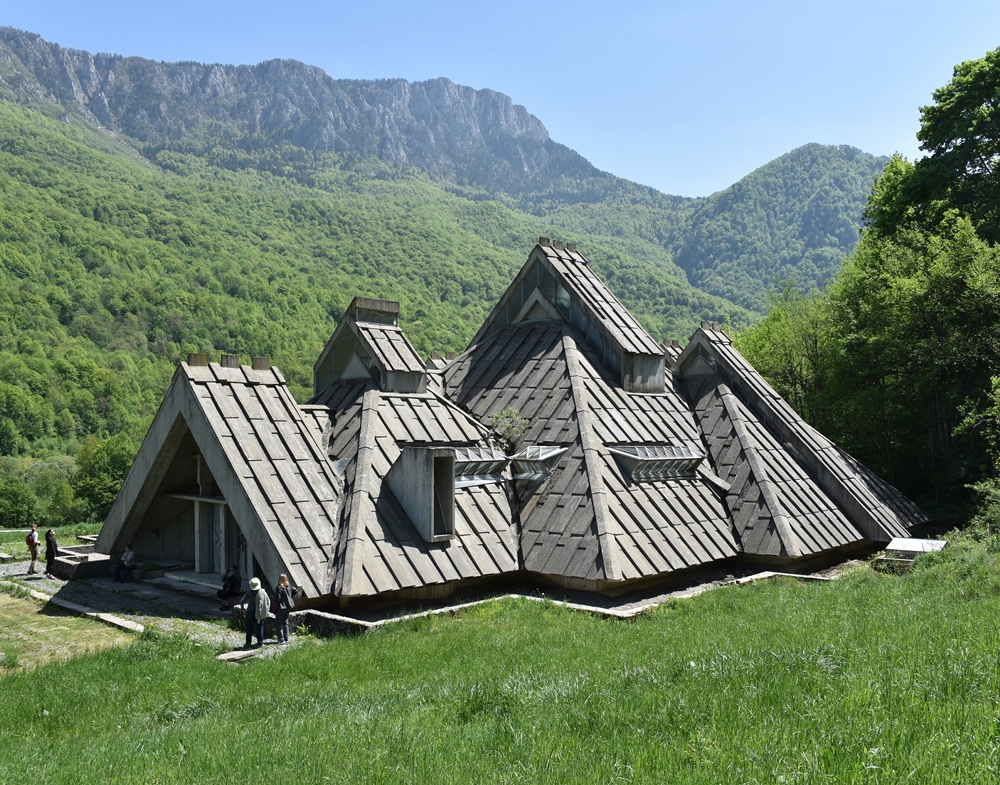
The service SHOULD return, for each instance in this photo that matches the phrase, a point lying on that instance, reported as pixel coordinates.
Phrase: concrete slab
(237, 655)
(73, 607)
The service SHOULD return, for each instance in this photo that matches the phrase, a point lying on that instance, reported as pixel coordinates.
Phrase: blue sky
(687, 97)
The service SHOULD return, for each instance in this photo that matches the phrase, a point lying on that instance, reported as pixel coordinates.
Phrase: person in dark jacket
(232, 586)
(51, 551)
(284, 598)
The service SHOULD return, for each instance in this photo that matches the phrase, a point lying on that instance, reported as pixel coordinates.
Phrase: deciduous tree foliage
(960, 132)
(909, 350)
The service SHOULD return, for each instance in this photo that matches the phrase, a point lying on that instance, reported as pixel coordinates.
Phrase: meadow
(873, 678)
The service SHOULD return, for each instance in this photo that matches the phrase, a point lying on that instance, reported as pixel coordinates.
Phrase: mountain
(464, 136)
(793, 220)
(153, 209)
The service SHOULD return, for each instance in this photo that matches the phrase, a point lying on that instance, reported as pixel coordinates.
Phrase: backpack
(29, 540)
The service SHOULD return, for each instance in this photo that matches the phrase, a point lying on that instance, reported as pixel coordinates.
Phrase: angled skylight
(647, 462)
(478, 466)
(536, 462)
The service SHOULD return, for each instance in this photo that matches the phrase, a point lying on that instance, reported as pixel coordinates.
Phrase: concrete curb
(346, 623)
(108, 618)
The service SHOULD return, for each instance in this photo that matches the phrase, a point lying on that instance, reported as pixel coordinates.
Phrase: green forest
(898, 360)
(113, 268)
(119, 256)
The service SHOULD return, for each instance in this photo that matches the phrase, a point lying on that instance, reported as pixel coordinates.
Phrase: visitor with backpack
(281, 606)
(32, 542)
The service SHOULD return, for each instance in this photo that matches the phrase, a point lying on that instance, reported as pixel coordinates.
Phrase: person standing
(32, 541)
(256, 601)
(126, 565)
(51, 551)
(284, 599)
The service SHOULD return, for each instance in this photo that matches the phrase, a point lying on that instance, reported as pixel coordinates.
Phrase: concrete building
(638, 460)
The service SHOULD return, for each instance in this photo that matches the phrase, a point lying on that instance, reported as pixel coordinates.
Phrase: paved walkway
(156, 603)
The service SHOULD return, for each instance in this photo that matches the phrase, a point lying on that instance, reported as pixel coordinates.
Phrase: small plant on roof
(510, 427)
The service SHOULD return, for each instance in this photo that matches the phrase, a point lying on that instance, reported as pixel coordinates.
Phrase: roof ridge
(578, 390)
(789, 537)
(363, 467)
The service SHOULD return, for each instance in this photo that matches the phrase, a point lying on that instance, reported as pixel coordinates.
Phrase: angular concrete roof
(262, 453)
(876, 508)
(632, 472)
(589, 521)
(379, 550)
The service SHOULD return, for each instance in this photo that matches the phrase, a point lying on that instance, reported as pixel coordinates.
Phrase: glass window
(562, 301)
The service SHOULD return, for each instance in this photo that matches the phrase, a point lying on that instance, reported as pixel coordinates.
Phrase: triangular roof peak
(369, 344)
(558, 283)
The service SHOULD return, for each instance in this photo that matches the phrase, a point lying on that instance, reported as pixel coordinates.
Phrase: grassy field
(12, 542)
(32, 635)
(869, 679)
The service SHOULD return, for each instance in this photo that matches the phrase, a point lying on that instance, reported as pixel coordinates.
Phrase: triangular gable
(878, 509)
(369, 344)
(558, 282)
(260, 450)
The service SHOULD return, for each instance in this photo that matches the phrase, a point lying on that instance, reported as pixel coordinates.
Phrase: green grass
(868, 679)
(33, 634)
(13, 542)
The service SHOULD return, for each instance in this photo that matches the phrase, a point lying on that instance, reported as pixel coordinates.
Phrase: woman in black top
(284, 601)
(51, 551)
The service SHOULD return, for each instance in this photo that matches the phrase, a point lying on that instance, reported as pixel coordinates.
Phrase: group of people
(258, 604)
(51, 551)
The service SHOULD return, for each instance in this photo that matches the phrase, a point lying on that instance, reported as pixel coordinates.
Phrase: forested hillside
(112, 269)
(790, 222)
(154, 209)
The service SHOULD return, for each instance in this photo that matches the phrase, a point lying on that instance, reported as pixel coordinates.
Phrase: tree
(18, 503)
(915, 314)
(101, 467)
(960, 132)
(510, 427)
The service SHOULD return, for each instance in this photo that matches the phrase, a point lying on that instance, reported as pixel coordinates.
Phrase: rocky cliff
(469, 137)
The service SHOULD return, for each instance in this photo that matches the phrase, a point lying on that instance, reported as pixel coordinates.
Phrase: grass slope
(32, 635)
(868, 679)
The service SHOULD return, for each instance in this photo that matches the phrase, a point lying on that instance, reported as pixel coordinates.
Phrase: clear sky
(686, 96)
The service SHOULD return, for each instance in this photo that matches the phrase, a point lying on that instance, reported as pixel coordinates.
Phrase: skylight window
(478, 466)
(536, 462)
(646, 463)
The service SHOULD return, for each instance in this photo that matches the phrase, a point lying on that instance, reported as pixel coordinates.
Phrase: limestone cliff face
(476, 137)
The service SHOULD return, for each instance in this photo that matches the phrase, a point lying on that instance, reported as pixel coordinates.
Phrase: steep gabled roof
(380, 550)
(390, 347)
(588, 520)
(878, 509)
(778, 510)
(368, 342)
(262, 453)
(557, 282)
